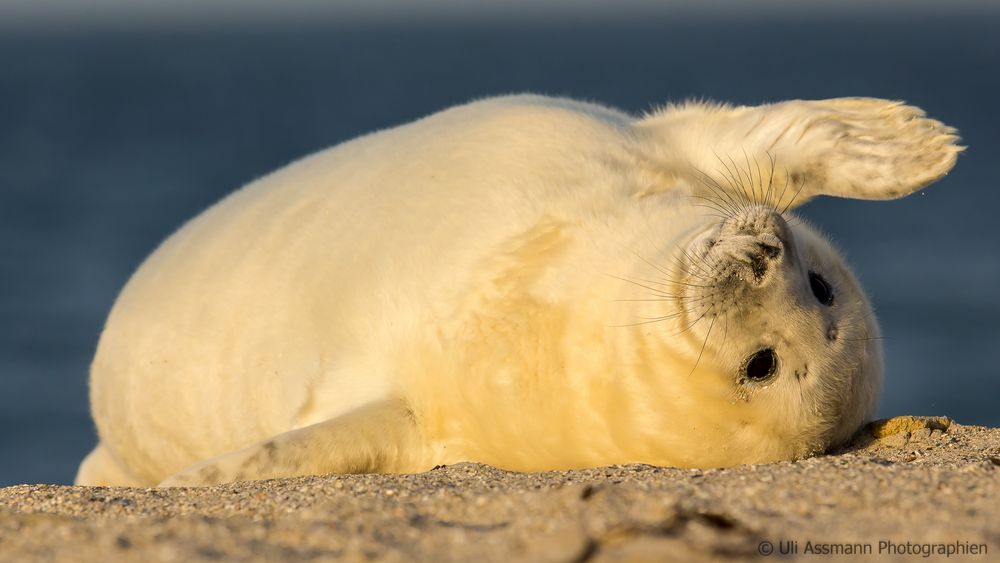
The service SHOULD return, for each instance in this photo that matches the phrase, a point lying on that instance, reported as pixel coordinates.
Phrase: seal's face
(772, 309)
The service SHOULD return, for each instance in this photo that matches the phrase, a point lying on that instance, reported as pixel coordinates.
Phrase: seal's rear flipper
(787, 153)
(379, 437)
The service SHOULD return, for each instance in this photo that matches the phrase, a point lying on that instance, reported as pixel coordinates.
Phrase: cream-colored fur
(480, 285)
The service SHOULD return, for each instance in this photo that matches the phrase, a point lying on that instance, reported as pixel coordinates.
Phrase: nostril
(761, 366)
(769, 250)
(758, 265)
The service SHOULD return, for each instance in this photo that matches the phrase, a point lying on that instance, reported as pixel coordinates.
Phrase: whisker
(753, 185)
(735, 183)
(690, 326)
(725, 197)
(731, 180)
(654, 290)
(714, 205)
(794, 197)
(640, 323)
(703, 345)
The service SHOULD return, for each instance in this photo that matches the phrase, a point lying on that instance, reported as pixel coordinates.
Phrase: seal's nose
(754, 242)
(758, 220)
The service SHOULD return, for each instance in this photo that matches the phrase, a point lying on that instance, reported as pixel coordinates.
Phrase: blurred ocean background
(115, 127)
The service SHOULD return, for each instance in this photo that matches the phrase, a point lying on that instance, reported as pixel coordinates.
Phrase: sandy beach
(906, 489)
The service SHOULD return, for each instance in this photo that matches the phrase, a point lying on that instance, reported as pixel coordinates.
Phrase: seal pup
(529, 282)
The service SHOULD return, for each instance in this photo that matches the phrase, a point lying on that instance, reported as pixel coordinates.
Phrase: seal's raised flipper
(379, 437)
(787, 153)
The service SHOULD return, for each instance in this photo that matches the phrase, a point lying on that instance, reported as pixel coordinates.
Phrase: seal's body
(528, 282)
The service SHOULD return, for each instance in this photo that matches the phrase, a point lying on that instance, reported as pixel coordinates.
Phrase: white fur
(464, 272)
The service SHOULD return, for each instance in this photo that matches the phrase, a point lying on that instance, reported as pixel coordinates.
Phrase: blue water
(108, 141)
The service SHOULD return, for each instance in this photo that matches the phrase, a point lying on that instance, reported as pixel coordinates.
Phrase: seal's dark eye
(761, 365)
(821, 289)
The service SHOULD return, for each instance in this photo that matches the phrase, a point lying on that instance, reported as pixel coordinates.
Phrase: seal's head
(775, 323)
